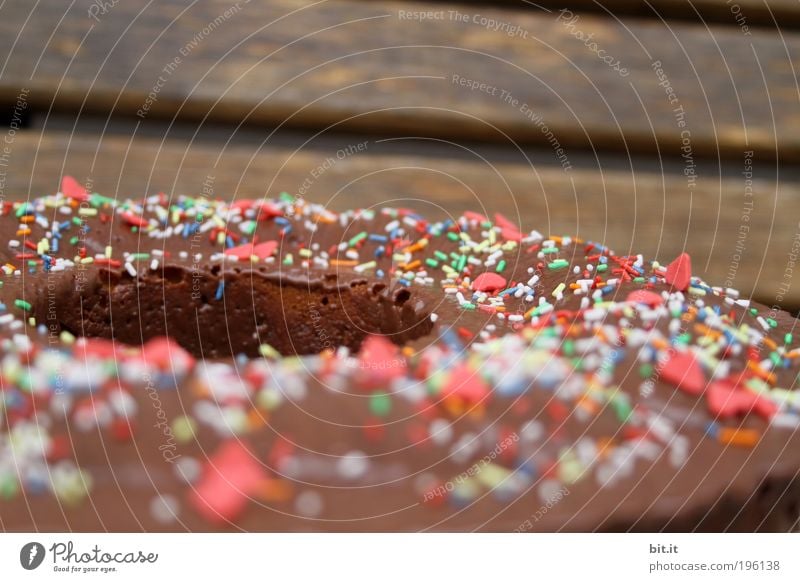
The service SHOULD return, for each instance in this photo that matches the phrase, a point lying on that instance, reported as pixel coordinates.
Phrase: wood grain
(368, 66)
(769, 13)
(652, 212)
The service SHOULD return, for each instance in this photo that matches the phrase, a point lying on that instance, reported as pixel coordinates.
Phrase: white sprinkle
(309, 504)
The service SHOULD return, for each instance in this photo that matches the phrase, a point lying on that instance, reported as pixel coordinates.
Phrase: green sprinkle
(74, 240)
(621, 407)
(8, 487)
(23, 304)
(440, 255)
(357, 239)
(267, 351)
(558, 264)
(787, 339)
(468, 306)
(249, 227)
(452, 236)
(501, 266)
(549, 250)
(286, 197)
(23, 210)
(602, 268)
(365, 266)
(646, 370)
(432, 262)
(183, 428)
(772, 323)
(380, 404)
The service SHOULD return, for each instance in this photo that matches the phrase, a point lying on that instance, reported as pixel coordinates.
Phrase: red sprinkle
(465, 385)
(679, 272)
(166, 354)
(489, 282)
(71, 189)
(683, 371)
(380, 361)
(132, 219)
(230, 477)
(262, 250)
(646, 297)
(726, 400)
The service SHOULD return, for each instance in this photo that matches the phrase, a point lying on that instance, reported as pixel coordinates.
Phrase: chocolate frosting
(334, 372)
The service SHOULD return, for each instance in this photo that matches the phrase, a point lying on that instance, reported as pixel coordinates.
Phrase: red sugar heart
(71, 189)
(683, 371)
(231, 476)
(489, 282)
(679, 272)
(646, 297)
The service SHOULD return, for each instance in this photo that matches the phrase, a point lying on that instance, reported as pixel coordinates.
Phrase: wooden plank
(741, 13)
(633, 210)
(372, 67)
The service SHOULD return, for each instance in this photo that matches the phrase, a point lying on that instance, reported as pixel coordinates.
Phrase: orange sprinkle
(417, 246)
(741, 437)
(343, 263)
(759, 371)
(604, 446)
(588, 405)
(26, 219)
(660, 344)
(411, 266)
(255, 418)
(23, 231)
(707, 331)
(275, 490)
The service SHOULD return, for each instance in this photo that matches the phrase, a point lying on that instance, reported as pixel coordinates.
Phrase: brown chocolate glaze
(326, 415)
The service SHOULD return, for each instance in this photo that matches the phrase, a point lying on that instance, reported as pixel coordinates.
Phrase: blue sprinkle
(281, 220)
(220, 290)
(378, 238)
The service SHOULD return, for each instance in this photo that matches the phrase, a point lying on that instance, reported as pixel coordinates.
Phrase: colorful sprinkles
(563, 321)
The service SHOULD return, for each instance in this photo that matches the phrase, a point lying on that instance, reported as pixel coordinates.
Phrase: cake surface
(269, 365)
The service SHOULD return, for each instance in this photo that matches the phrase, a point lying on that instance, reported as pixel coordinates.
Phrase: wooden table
(649, 127)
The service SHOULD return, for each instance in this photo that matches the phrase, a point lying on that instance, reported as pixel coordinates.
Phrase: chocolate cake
(189, 364)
